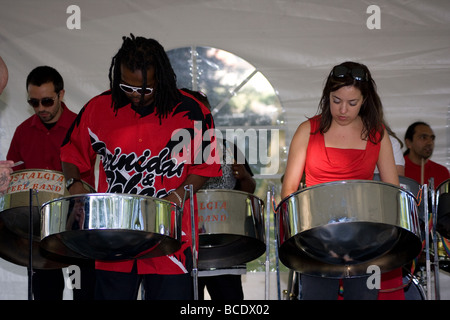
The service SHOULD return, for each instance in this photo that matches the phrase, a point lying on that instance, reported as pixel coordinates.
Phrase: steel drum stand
(435, 241)
(194, 240)
(428, 262)
(294, 276)
(267, 262)
(30, 252)
(271, 203)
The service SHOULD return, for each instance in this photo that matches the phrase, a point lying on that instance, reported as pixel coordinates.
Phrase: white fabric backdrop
(293, 43)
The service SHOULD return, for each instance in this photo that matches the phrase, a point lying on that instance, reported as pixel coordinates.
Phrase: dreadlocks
(138, 53)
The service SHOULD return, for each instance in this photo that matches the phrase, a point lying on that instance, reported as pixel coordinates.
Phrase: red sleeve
(206, 158)
(77, 149)
(14, 151)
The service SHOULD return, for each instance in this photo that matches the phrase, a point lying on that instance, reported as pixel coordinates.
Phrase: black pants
(125, 286)
(48, 284)
(224, 287)
(87, 285)
(317, 288)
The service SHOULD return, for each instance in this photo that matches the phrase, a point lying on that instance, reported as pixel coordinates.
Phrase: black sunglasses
(46, 102)
(356, 73)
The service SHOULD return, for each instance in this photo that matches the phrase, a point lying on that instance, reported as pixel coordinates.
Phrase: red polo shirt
(431, 170)
(139, 156)
(37, 146)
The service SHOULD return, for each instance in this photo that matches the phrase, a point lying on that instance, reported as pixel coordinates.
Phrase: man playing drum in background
(419, 139)
(37, 143)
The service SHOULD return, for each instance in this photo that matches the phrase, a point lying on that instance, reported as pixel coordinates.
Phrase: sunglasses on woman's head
(46, 102)
(130, 89)
(356, 73)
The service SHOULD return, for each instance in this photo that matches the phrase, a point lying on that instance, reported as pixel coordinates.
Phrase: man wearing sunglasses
(38, 139)
(37, 142)
(131, 127)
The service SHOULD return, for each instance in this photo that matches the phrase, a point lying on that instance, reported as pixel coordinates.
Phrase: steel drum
(406, 183)
(339, 229)
(443, 209)
(15, 207)
(110, 227)
(413, 288)
(412, 186)
(230, 227)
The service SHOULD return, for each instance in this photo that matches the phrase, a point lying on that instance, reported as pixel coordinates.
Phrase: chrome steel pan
(109, 226)
(339, 229)
(406, 183)
(412, 186)
(443, 209)
(230, 227)
(15, 207)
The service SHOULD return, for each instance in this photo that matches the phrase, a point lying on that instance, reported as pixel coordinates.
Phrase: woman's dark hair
(371, 113)
(409, 134)
(138, 53)
(45, 74)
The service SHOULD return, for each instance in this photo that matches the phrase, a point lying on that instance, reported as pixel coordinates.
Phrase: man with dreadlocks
(131, 128)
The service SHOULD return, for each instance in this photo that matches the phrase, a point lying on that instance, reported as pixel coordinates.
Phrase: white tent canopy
(293, 43)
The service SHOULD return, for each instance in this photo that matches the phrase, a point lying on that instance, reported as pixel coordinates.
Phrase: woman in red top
(345, 141)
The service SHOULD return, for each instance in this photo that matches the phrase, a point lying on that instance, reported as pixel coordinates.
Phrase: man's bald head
(3, 75)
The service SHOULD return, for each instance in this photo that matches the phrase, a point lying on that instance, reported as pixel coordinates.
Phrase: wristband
(178, 196)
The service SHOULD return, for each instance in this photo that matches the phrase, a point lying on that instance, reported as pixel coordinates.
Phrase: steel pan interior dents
(338, 229)
(15, 215)
(231, 228)
(110, 226)
(443, 209)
